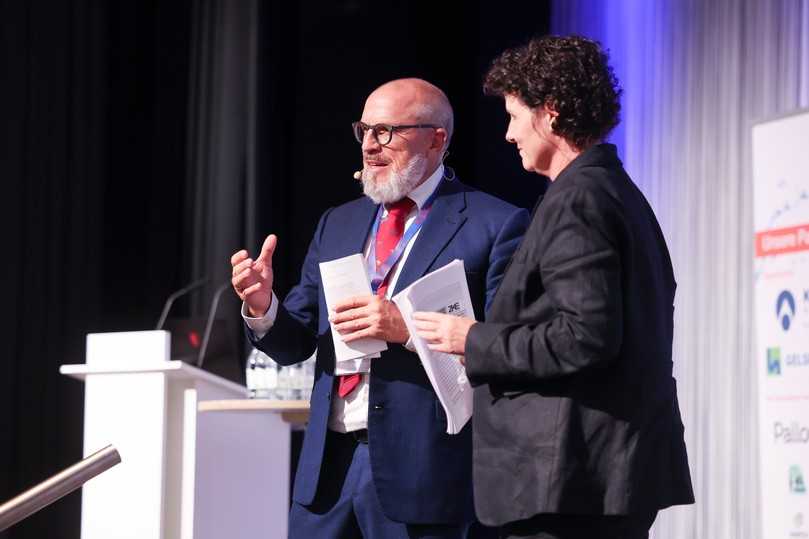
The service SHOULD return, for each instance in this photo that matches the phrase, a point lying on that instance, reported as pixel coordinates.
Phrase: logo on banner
(781, 241)
(794, 433)
(774, 361)
(785, 309)
(797, 359)
(796, 483)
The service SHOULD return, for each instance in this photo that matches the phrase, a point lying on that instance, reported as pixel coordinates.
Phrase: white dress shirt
(351, 413)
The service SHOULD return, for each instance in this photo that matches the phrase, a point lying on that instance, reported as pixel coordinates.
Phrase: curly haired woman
(577, 426)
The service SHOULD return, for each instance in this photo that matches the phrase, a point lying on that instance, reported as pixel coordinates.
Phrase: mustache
(374, 158)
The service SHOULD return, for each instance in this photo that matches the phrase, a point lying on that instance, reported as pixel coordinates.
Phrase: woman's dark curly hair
(568, 74)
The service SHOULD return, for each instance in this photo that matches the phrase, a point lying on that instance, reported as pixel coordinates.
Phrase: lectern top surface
(173, 369)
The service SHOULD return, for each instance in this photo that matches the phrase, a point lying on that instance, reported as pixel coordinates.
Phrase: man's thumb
(268, 249)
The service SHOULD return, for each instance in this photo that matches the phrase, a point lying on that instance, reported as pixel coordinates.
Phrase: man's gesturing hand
(252, 279)
(369, 316)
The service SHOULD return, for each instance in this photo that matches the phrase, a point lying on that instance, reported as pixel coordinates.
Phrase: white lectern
(184, 474)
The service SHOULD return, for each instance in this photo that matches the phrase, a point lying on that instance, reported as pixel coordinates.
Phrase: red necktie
(390, 232)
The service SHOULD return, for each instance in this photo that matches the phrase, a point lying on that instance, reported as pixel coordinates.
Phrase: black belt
(360, 436)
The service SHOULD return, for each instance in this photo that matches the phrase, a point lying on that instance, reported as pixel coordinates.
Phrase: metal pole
(61, 484)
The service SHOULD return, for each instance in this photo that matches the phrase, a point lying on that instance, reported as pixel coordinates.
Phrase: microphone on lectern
(181, 292)
(209, 323)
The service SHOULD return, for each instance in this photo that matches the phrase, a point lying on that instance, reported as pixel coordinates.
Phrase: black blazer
(576, 409)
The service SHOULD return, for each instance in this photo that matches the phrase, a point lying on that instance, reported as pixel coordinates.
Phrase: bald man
(376, 459)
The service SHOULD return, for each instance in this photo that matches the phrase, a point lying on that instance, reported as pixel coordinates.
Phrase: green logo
(774, 361)
(796, 482)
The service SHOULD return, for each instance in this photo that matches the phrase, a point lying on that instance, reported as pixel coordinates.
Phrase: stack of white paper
(344, 278)
(444, 290)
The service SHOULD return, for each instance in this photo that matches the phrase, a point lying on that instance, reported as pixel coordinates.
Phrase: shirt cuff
(260, 326)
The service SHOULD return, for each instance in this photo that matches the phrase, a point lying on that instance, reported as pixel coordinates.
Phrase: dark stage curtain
(53, 159)
(318, 61)
(92, 166)
(143, 142)
(221, 137)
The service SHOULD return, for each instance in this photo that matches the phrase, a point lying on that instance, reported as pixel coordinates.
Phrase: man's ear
(439, 138)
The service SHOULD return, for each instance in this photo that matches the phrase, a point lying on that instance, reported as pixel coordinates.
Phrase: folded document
(344, 278)
(444, 290)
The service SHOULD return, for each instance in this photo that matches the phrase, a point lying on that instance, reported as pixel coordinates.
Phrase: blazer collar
(599, 155)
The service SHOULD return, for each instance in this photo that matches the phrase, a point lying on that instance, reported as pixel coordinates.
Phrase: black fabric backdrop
(93, 127)
(95, 212)
(319, 61)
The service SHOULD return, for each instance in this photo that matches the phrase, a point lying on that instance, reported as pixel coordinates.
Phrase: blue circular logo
(785, 308)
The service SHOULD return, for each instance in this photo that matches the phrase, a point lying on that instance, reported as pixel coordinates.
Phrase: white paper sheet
(444, 290)
(342, 279)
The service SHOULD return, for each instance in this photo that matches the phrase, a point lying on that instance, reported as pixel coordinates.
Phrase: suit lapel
(348, 230)
(359, 228)
(440, 226)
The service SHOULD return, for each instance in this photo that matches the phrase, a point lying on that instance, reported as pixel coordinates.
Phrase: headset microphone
(358, 175)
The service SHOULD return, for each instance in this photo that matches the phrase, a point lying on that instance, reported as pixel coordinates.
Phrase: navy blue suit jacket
(421, 473)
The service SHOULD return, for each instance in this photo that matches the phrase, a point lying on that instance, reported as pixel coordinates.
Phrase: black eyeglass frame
(391, 129)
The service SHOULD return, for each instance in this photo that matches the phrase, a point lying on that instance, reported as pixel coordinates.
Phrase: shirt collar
(420, 194)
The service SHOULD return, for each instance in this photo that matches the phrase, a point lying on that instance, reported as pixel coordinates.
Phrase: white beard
(399, 183)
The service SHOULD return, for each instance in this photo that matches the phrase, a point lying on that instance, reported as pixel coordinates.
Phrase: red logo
(782, 240)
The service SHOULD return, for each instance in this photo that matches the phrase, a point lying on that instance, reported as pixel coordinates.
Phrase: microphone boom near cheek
(358, 175)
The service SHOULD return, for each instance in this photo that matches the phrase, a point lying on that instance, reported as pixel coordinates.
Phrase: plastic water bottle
(270, 378)
(250, 374)
(265, 379)
(261, 375)
(282, 390)
(308, 378)
(294, 374)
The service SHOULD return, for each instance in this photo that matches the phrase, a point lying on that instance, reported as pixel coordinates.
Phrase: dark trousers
(552, 526)
(346, 505)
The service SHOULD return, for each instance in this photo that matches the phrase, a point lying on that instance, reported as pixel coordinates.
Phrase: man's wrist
(258, 314)
(260, 325)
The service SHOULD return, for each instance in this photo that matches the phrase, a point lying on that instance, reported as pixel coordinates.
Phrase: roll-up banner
(781, 318)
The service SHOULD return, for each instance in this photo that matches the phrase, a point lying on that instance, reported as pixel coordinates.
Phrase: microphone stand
(209, 323)
(174, 296)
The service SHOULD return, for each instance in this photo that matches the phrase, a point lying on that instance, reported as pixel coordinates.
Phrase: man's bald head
(420, 100)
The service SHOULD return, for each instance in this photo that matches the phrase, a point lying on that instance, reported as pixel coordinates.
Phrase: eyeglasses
(383, 133)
